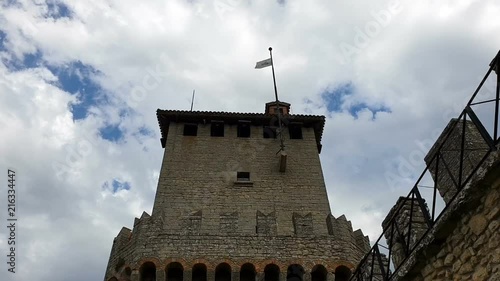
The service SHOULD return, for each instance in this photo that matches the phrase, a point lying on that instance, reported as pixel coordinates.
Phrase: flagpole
(274, 77)
(282, 146)
(192, 101)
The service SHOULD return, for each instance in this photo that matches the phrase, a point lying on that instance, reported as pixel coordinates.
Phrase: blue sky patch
(57, 10)
(76, 77)
(145, 132)
(3, 37)
(116, 185)
(335, 98)
(31, 60)
(355, 109)
(111, 133)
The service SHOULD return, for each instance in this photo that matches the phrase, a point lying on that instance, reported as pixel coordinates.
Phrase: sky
(80, 82)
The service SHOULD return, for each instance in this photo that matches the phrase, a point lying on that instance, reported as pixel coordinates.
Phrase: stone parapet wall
(148, 242)
(465, 242)
(396, 225)
(449, 147)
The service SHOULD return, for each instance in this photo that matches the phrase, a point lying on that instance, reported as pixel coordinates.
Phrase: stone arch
(147, 271)
(127, 271)
(199, 272)
(223, 272)
(342, 273)
(174, 272)
(272, 272)
(295, 272)
(319, 273)
(155, 261)
(181, 261)
(247, 272)
(261, 264)
(207, 263)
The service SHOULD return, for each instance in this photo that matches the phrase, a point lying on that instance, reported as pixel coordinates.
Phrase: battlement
(341, 243)
(341, 229)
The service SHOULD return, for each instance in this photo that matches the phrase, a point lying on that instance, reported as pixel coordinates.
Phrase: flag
(264, 63)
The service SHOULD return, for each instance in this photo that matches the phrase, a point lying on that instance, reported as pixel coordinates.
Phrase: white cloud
(423, 62)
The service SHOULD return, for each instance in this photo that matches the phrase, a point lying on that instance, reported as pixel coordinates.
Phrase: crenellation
(303, 224)
(362, 241)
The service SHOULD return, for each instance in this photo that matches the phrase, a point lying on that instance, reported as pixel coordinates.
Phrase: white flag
(264, 63)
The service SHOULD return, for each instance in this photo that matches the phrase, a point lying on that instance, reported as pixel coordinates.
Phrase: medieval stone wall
(199, 173)
(472, 250)
(146, 242)
(203, 215)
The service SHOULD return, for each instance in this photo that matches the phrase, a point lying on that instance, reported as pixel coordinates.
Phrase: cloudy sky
(80, 82)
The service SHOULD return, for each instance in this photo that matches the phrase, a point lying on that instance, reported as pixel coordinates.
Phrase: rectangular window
(295, 130)
(190, 129)
(217, 128)
(243, 176)
(243, 129)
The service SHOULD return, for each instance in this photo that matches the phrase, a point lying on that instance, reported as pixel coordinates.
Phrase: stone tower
(230, 206)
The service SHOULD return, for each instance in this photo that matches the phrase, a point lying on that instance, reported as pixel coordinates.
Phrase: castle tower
(226, 209)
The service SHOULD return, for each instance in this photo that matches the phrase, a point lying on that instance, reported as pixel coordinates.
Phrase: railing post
(497, 99)
(436, 182)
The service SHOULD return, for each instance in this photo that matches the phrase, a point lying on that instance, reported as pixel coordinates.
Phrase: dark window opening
(319, 273)
(243, 129)
(175, 272)
(271, 273)
(342, 273)
(199, 272)
(217, 129)
(190, 129)
(128, 271)
(295, 272)
(223, 272)
(247, 272)
(295, 131)
(243, 176)
(148, 272)
(269, 132)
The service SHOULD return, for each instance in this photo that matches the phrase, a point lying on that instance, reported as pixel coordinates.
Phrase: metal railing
(450, 164)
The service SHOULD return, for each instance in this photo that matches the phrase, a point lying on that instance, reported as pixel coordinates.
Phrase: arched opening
(271, 273)
(112, 279)
(148, 272)
(295, 272)
(223, 272)
(318, 273)
(127, 271)
(342, 273)
(247, 272)
(199, 272)
(175, 272)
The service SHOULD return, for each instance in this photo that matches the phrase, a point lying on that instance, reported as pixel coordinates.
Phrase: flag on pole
(264, 63)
